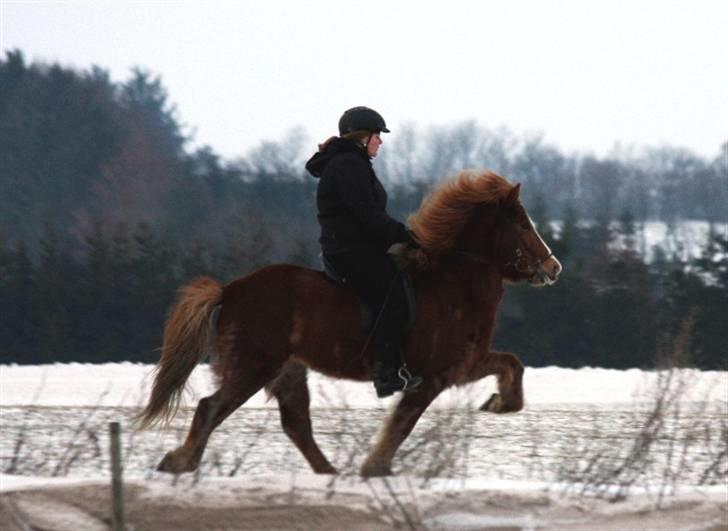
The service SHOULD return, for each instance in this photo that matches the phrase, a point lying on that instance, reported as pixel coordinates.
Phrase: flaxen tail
(187, 336)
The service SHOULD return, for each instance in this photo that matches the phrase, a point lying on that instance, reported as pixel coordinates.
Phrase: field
(593, 449)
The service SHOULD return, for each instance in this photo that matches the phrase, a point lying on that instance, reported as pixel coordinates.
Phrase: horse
(266, 329)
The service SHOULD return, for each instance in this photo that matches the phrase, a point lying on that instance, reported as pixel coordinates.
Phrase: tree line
(105, 211)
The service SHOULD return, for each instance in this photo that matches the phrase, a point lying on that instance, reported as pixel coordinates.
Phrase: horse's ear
(512, 196)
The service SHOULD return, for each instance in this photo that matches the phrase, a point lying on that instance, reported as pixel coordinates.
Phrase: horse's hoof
(494, 404)
(375, 470)
(328, 469)
(165, 465)
(497, 404)
(170, 463)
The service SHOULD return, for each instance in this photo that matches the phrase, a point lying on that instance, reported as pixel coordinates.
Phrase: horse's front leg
(398, 426)
(509, 371)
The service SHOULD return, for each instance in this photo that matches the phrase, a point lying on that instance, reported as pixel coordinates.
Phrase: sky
(586, 74)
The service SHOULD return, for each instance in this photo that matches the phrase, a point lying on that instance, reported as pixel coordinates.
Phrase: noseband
(518, 263)
(520, 259)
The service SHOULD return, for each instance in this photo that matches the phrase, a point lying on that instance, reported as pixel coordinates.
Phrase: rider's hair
(360, 136)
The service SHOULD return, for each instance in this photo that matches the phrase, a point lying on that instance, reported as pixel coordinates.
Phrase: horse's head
(478, 214)
(521, 250)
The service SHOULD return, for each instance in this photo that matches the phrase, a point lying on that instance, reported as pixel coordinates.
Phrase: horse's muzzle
(547, 272)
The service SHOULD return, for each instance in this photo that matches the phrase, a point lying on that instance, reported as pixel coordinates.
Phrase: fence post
(117, 486)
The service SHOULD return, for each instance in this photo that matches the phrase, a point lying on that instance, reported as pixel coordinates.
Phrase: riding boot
(390, 376)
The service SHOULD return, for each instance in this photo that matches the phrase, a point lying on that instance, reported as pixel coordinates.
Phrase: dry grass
(670, 430)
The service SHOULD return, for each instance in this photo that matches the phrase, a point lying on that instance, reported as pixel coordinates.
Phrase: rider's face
(373, 145)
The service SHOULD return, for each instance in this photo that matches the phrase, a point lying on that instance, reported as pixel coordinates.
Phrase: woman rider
(356, 233)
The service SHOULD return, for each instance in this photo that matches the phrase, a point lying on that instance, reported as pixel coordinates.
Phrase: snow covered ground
(568, 413)
(313, 502)
(127, 385)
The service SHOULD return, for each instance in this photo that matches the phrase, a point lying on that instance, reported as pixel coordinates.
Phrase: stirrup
(409, 382)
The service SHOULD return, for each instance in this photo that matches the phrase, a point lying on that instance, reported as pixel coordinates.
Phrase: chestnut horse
(265, 329)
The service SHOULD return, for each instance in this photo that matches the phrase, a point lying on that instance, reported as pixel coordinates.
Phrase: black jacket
(351, 201)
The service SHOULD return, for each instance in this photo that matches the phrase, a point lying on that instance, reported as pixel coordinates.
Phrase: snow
(128, 384)
(343, 484)
(471, 504)
(438, 503)
(687, 237)
(465, 521)
(9, 482)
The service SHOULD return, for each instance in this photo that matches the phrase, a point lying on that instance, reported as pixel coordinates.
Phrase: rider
(356, 233)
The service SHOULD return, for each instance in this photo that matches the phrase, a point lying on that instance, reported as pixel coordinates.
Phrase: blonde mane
(445, 211)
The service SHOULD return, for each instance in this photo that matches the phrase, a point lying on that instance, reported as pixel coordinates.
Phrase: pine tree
(20, 329)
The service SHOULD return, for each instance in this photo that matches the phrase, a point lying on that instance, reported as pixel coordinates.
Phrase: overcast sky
(586, 73)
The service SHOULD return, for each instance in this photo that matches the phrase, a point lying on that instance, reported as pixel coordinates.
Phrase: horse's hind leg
(210, 412)
(291, 391)
(509, 371)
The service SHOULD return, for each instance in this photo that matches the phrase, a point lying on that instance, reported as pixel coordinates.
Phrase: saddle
(367, 312)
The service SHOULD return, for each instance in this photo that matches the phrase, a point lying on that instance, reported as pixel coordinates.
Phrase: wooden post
(117, 486)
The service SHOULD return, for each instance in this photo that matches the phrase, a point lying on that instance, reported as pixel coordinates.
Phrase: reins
(475, 257)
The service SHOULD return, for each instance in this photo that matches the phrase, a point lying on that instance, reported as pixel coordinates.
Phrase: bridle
(518, 263)
(520, 259)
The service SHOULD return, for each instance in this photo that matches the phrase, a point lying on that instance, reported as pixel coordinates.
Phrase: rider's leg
(375, 278)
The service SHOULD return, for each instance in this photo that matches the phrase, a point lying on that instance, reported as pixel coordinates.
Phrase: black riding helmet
(361, 117)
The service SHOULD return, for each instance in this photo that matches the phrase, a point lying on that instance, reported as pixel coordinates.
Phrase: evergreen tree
(195, 261)
(57, 128)
(153, 283)
(711, 300)
(20, 328)
(55, 298)
(147, 101)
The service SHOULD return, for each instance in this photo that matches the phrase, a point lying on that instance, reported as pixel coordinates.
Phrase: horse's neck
(480, 280)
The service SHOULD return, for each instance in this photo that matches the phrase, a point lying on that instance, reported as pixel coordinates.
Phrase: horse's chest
(461, 336)
(458, 319)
